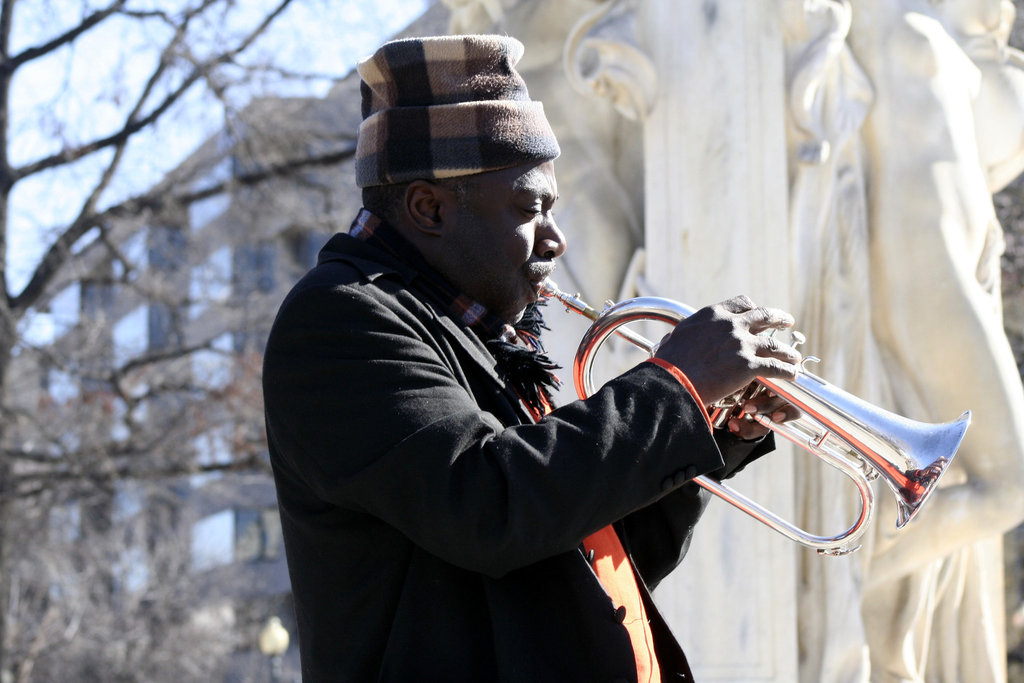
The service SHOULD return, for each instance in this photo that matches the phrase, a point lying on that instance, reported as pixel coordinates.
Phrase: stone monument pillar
(716, 217)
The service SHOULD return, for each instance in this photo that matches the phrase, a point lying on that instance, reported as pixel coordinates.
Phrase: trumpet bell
(919, 483)
(910, 456)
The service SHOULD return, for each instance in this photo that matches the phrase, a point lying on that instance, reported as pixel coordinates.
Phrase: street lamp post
(273, 642)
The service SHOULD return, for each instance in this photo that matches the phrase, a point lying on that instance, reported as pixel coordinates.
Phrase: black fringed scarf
(517, 350)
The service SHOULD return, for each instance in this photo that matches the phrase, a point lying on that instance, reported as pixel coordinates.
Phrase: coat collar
(372, 263)
(369, 261)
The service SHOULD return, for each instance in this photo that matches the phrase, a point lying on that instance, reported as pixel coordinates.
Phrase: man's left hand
(767, 404)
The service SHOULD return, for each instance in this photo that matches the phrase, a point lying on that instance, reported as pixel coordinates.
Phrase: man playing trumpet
(442, 520)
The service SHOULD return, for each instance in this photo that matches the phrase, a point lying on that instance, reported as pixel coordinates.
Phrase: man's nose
(551, 242)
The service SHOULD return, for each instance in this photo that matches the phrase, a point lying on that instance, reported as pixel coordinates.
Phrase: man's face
(502, 240)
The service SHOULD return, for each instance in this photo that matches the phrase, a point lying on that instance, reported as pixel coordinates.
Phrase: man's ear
(424, 204)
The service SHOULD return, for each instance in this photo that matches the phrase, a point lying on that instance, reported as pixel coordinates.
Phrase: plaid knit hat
(447, 106)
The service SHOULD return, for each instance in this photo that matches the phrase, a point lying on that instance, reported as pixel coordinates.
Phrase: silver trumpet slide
(859, 439)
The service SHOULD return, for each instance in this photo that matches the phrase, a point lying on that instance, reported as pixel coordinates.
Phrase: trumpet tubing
(859, 439)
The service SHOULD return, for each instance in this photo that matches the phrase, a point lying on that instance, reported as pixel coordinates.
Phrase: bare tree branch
(111, 409)
(133, 124)
(155, 200)
(28, 485)
(6, 21)
(63, 39)
(59, 251)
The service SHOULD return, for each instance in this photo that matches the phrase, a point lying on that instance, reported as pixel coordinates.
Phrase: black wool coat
(432, 530)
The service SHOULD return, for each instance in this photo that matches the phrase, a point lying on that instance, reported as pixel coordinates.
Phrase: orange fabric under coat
(616, 575)
(613, 570)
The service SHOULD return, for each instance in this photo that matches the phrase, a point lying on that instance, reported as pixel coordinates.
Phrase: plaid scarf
(517, 350)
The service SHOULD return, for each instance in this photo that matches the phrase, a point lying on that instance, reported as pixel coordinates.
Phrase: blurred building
(158, 344)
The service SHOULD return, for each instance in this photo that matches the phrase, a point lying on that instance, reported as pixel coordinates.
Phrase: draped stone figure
(889, 123)
(904, 206)
(828, 97)
(923, 155)
(945, 131)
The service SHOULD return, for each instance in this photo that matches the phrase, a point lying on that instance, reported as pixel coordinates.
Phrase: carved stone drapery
(835, 158)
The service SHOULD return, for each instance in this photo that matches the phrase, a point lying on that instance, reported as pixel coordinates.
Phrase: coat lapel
(373, 263)
(475, 351)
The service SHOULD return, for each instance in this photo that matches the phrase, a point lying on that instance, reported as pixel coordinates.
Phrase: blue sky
(79, 93)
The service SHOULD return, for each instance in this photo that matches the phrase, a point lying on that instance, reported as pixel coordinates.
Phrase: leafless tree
(94, 584)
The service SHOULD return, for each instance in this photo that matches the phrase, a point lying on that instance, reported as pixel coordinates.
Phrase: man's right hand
(721, 349)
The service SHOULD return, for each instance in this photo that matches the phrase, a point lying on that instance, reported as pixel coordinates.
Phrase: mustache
(539, 271)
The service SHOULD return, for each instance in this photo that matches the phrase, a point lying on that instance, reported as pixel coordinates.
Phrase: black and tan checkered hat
(447, 106)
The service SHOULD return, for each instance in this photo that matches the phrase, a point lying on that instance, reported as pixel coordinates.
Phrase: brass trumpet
(859, 439)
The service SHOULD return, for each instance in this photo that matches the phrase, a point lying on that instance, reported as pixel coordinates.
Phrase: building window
(212, 541)
(257, 535)
(302, 248)
(164, 328)
(241, 535)
(253, 268)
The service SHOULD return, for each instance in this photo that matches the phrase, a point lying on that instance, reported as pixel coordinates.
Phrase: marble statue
(945, 131)
(853, 146)
(944, 94)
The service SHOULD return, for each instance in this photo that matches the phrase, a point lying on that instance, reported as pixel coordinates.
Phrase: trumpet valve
(732, 406)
